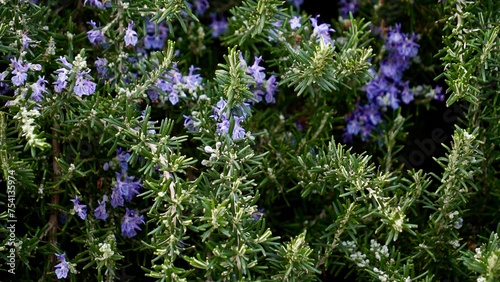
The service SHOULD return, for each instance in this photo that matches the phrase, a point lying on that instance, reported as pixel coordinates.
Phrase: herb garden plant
(207, 140)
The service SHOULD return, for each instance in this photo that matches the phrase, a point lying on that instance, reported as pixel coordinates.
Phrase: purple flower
(95, 36)
(38, 89)
(189, 123)
(271, 89)
(100, 212)
(223, 125)
(406, 94)
(256, 71)
(401, 45)
(62, 77)
(218, 26)
(25, 40)
(62, 267)
(126, 185)
(80, 209)
(130, 223)
(116, 197)
(153, 95)
(130, 35)
(19, 71)
(101, 65)
(218, 109)
(274, 32)
(238, 131)
(391, 69)
(4, 87)
(388, 98)
(363, 120)
(258, 214)
(155, 35)
(295, 22)
(347, 6)
(321, 31)
(122, 157)
(375, 88)
(394, 37)
(439, 93)
(192, 81)
(296, 3)
(95, 3)
(83, 85)
(173, 97)
(201, 6)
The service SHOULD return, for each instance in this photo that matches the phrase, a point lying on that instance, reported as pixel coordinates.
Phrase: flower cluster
(63, 267)
(219, 25)
(155, 36)
(83, 84)
(348, 6)
(263, 89)
(130, 223)
(224, 119)
(322, 31)
(124, 190)
(173, 85)
(95, 35)
(386, 88)
(79, 208)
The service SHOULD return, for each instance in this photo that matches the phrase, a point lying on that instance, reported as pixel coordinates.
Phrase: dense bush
(266, 140)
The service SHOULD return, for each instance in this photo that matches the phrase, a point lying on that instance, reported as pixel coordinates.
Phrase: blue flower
(62, 75)
(223, 125)
(189, 123)
(406, 94)
(83, 85)
(321, 31)
(25, 40)
(391, 69)
(38, 89)
(101, 65)
(238, 131)
(271, 89)
(100, 212)
(347, 6)
(256, 71)
(130, 223)
(62, 267)
(218, 26)
(296, 3)
(80, 209)
(95, 36)
(130, 35)
(295, 22)
(439, 95)
(95, 3)
(155, 35)
(192, 81)
(126, 185)
(201, 6)
(122, 157)
(19, 71)
(116, 197)
(4, 86)
(363, 120)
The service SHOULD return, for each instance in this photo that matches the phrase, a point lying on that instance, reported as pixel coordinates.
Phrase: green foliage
(236, 174)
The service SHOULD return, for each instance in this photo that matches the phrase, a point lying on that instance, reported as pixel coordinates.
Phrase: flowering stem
(54, 199)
